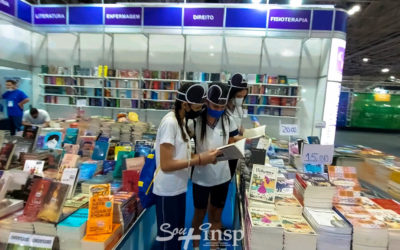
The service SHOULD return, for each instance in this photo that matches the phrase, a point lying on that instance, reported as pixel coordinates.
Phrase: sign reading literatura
(178, 16)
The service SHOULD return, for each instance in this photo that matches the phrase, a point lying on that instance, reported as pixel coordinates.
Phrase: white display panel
(91, 50)
(330, 112)
(63, 49)
(15, 43)
(281, 57)
(311, 59)
(243, 54)
(39, 49)
(336, 61)
(204, 53)
(130, 51)
(166, 52)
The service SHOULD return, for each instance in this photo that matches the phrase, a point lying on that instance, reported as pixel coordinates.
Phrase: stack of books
(348, 189)
(314, 190)
(388, 204)
(392, 221)
(288, 205)
(265, 227)
(71, 231)
(368, 231)
(298, 234)
(333, 232)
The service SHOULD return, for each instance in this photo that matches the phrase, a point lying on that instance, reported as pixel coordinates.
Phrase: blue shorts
(170, 210)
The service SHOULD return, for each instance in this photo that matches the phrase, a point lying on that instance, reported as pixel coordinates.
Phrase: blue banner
(86, 15)
(341, 21)
(322, 20)
(24, 11)
(159, 16)
(246, 18)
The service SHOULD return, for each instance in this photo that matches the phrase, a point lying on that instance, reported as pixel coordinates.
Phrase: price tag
(19, 239)
(81, 103)
(288, 129)
(317, 154)
(42, 242)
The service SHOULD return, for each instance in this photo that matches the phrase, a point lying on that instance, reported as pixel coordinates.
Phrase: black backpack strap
(195, 144)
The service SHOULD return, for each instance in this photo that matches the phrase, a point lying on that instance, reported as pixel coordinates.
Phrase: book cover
(71, 135)
(6, 154)
(264, 218)
(327, 218)
(68, 161)
(296, 224)
(54, 202)
(317, 180)
(30, 132)
(120, 165)
(367, 203)
(70, 177)
(388, 204)
(99, 190)
(130, 179)
(263, 183)
(34, 167)
(36, 198)
(86, 145)
(76, 219)
(288, 201)
(100, 150)
(232, 151)
(100, 220)
(5, 182)
(359, 217)
(348, 189)
(87, 170)
(389, 217)
(108, 166)
(77, 201)
(254, 132)
(52, 140)
(121, 148)
(71, 148)
(136, 163)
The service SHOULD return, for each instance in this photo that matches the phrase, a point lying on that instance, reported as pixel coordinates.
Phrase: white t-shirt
(175, 182)
(212, 174)
(43, 117)
(237, 115)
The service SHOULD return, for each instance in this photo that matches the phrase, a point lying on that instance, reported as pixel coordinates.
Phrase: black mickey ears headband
(238, 81)
(216, 95)
(195, 94)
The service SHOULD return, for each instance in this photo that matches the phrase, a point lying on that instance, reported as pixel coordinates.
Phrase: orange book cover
(100, 219)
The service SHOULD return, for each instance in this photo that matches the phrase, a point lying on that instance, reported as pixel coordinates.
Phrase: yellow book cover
(100, 219)
(99, 190)
(121, 148)
(59, 81)
(100, 71)
(105, 69)
(395, 176)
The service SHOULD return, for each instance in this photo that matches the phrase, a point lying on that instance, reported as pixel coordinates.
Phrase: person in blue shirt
(15, 101)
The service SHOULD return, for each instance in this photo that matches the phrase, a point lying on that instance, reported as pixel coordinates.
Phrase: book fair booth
(108, 73)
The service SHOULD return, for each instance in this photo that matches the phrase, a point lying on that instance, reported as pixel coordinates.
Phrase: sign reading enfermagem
(123, 16)
(289, 19)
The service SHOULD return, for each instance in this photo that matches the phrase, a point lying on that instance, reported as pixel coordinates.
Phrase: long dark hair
(225, 90)
(177, 107)
(232, 94)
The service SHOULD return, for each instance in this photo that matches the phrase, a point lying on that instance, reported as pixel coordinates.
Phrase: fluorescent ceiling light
(365, 59)
(392, 77)
(295, 2)
(385, 70)
(211, 54)
(354, 9)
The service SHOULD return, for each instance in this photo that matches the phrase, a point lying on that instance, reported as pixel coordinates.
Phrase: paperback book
(263, 183)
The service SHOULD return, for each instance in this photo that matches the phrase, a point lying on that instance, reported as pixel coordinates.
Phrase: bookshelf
(156, 91)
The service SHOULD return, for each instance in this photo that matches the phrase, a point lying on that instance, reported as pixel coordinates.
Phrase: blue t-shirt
(12, 99)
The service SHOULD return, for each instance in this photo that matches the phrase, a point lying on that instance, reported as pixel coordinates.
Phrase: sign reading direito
(7, 6)
(204, 17)
(289, 19)
(123, 16)
(50, 15)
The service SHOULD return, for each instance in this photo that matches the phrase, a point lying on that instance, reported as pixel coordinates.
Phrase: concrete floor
(388, 142)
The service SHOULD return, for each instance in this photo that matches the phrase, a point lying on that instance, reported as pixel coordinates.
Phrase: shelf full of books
(269, 96)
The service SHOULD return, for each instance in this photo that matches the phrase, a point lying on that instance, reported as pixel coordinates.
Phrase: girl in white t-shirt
(237, 94)
(173, 156)
(213, 129)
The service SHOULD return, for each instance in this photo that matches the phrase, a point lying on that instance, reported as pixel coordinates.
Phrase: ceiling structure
(373, 33)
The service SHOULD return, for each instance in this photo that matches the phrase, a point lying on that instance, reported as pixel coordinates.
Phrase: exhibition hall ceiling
(373, 35)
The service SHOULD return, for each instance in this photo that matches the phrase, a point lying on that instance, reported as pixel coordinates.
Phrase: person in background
(36, 117)
(15, 101)
(174, 158)
(213, 129)
(237, 94)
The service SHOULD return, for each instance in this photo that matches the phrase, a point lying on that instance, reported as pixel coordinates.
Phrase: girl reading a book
(213, 129)
(174, 157)
(237, 95)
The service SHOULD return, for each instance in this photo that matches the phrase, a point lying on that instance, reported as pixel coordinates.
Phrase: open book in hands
(232, 151)
(254, 133)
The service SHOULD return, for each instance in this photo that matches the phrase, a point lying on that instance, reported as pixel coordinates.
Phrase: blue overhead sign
(161, 16)
(246, 18)
(84, 15)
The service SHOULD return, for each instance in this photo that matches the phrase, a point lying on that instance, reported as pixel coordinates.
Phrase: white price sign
(288, 129)
(317, 154)
(81, 103)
